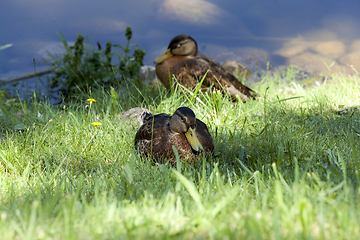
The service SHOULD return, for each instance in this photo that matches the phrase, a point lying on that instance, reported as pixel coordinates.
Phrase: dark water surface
(279, 31)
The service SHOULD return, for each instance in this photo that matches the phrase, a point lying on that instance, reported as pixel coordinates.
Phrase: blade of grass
(190, 187)
(199, 86)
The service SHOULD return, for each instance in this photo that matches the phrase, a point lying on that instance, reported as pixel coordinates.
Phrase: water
(261, 30)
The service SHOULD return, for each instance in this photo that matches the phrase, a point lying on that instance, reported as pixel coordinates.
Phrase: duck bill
(193, 140)
(163, 57)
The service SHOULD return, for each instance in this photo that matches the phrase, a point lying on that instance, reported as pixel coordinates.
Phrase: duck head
(184, 121)
(181, 45)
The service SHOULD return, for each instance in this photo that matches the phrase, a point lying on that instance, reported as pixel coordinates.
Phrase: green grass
(286, 167)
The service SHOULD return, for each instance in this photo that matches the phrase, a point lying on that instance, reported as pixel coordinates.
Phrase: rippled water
(305, 32)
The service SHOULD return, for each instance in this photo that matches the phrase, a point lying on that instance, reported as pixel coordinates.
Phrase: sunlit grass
(286, 167)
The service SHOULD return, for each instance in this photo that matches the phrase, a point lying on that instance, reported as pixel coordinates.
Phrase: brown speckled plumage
(189, 67)
(157, 135)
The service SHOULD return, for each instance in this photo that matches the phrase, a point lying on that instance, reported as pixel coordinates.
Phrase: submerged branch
(26, 76)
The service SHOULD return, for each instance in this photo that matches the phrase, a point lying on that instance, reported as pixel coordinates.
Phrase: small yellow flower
(96, 124)
(91, 100)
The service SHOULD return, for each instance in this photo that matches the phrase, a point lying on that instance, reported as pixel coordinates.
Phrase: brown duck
(182, 60)
(159, 133)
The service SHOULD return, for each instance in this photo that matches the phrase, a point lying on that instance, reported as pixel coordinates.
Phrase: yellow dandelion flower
(96, 124)
(91, 100)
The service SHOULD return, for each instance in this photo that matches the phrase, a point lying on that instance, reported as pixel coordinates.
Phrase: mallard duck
(182, 60)
(190, 136)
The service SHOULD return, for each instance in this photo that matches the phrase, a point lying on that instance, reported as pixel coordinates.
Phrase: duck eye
(179, 45)
(182, 118)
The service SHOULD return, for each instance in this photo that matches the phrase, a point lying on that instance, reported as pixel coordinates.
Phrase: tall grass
(285, 167)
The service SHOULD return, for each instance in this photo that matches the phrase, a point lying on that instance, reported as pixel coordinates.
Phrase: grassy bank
(286, 167)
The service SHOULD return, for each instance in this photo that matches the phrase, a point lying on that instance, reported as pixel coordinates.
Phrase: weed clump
(82, 68)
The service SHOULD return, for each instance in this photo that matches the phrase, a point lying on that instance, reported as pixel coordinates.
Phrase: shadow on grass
(319, 140)
(72, 155)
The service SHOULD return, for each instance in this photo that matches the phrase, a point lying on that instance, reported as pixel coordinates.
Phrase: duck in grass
(182, 60)
(183, 130)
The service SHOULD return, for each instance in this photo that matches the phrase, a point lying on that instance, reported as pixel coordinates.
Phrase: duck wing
(188, 68)
(155, 127)
(204, 136)
(219, 73)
